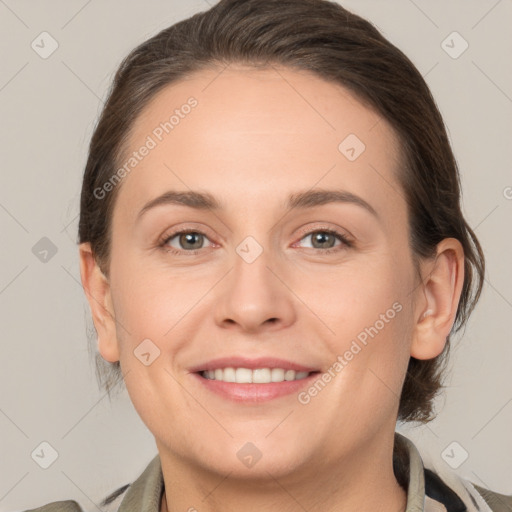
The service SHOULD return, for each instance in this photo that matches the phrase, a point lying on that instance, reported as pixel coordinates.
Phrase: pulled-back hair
(322, 37)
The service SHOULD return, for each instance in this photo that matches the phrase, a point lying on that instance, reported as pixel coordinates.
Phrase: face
(271, 274)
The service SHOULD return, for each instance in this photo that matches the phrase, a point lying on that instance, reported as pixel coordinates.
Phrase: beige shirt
(427, 491)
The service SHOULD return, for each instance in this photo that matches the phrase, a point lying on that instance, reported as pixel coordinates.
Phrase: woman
(302, 157)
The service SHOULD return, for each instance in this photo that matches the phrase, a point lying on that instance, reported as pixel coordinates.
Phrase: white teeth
(228, 375)
(289, 375)
(248, 376)
(277, 375)
(243, 375)
(261, 375)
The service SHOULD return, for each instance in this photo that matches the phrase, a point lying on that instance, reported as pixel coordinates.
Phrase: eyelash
(165, 239)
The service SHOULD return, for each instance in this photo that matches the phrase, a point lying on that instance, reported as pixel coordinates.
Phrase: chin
(257, 460)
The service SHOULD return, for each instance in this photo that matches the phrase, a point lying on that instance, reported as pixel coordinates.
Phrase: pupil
(321, 238)
(188, 238)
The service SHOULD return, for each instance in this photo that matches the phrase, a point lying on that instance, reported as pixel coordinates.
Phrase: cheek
(353, 298)
(369, 314)
(152, 300)
(164, 307)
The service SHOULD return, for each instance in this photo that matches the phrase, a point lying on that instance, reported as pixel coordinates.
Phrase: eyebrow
(299, 200)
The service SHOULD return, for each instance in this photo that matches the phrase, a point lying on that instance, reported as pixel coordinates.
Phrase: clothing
(427, 490)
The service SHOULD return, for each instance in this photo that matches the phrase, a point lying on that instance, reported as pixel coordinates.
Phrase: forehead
(259, 131)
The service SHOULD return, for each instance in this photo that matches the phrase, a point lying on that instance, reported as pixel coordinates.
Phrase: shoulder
(109, 504)
(458, 494)
(497, 502)
(444, 489)
(132, 496)
(58, 506)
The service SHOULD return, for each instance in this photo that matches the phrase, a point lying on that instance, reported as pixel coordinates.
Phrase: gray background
(48, 108)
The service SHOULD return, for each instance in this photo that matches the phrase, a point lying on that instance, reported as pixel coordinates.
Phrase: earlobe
(441, 288)
(97, 290)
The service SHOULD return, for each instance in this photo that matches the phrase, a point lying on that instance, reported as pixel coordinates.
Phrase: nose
(255, 296)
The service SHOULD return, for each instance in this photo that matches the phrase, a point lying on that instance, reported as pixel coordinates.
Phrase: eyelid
(305, 231)
(172, 233)
(189, 228)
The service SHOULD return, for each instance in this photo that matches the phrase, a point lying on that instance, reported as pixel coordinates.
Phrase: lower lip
(255, 392)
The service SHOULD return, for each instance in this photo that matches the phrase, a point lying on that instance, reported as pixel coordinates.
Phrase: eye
(190, 242)
(186, 240)
(325, 240)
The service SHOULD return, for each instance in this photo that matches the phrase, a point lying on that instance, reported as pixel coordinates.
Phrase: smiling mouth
(254, 376)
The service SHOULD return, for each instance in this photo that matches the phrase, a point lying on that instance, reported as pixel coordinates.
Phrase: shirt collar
(145, 493)
(415, 476)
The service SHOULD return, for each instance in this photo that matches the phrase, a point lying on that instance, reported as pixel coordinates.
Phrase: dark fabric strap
(436, 489)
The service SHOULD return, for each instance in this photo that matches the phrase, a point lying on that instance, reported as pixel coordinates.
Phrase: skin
(255, 137)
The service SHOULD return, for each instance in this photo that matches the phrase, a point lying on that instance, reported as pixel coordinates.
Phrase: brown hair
(322, 37)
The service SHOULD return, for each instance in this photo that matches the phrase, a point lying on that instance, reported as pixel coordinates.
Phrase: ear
(97, 290)
(442, 285)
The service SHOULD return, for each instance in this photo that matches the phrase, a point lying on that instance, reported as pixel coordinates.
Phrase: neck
(362, 482)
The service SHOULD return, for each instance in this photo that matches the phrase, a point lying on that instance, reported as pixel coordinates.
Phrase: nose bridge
(252, 262)
(253, 294)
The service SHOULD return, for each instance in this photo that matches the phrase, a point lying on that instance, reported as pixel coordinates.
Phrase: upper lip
(244, 362)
